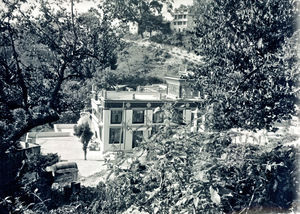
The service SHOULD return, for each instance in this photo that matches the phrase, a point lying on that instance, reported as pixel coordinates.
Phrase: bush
(179, 171)
(33, 185)
(183, 172)
(178, 39)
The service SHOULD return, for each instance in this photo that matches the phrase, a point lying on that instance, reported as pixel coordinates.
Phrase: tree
(249, 73)
(39, 55)
(146, 13)
(85, 134)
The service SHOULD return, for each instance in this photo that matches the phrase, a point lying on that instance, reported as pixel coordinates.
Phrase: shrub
(179, 171)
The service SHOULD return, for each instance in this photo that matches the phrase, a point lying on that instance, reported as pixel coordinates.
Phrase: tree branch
(19, 70)
(52, 102)
(17, 134)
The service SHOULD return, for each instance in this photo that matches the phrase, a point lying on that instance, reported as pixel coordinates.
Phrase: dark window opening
(178, 117)
(158, 117)
(115, 136)
(137, 137)
(116, 116)
(138, 116)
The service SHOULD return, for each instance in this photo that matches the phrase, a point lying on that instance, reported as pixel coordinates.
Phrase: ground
(91, 171)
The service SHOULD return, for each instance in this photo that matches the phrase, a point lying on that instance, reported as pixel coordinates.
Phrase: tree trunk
(85, 151)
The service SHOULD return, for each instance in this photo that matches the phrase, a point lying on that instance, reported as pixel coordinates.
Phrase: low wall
(64, 127)
(48, 134)
(31, 136)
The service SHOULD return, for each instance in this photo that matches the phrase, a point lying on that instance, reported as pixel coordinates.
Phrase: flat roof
(133, 95)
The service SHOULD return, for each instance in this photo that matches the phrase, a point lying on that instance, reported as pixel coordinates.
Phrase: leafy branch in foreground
(180, 171)
(250, 70)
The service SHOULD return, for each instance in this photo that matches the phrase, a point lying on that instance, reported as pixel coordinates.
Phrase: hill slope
(145, 57)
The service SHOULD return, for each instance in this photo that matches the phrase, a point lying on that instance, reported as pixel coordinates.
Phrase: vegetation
(40, 55)
(183, 172)
(250, 72)
(83, 131)
(178, 39)
(31, 187)
(248, 81)
(146, 14)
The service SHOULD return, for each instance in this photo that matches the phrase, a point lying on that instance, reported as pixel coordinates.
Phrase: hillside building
(133, 28)
(120, 119)
(183, 19)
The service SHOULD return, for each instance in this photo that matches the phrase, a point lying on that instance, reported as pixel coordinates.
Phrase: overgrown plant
(83, 131)
(33, 186)
(179, 171)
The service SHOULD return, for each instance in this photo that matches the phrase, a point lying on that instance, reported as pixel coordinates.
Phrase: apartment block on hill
(120, 119)
(183, 19)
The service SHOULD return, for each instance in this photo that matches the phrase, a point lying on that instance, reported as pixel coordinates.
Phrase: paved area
(70, 149)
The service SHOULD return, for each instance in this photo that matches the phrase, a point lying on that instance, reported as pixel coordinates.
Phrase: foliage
(83, 131)
(34, 186)
(42, 48)
(39, 162)
(178, 39)
(147, 14)
(250, 70)
(179, 171)
(182, 172)
(110, 79)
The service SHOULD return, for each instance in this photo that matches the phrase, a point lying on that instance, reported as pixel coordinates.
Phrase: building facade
(133, 28)
(120, 119)
(183, 19)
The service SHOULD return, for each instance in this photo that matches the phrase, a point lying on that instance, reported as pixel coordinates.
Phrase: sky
(85, 5)
(177, 3)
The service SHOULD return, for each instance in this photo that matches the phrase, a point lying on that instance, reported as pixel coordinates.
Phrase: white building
(183, 19)
(120, 119)
(133, 27)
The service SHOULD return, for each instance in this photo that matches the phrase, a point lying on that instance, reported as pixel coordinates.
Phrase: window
(184, 23)
(175, 16)
(199, 118)
(194, 116)
(179, 23)
(137, 116)
(179, 16)
(184, 16)
(115, 136)
(116, 116)
(137, 137)
(158, 117)
(174, 23)
(178, 116)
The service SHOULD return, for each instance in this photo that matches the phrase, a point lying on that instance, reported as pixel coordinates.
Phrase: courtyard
(70, 149)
